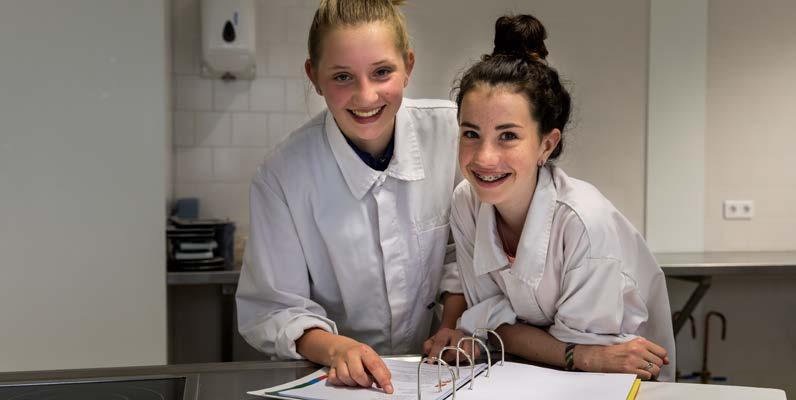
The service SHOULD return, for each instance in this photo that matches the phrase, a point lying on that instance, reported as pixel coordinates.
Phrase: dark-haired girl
(545, 258)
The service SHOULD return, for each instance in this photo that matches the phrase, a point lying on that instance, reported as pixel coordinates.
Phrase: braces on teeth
(490, 178)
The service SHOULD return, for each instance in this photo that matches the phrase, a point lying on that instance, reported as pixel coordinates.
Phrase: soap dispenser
(228, 39)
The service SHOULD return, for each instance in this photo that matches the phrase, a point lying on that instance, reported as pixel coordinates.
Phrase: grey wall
(751, 93)
(728, 134)
(599, 47)
(749, 137)
(83, 122)
(676, 125)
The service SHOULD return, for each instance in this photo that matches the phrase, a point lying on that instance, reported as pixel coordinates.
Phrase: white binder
(426, 381)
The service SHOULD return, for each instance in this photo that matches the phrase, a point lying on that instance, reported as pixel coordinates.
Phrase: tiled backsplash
(223, 130)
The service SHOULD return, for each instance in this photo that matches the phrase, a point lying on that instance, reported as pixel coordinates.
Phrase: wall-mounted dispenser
(228, 39)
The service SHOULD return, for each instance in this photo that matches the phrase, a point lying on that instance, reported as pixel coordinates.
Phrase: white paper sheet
(404, 381)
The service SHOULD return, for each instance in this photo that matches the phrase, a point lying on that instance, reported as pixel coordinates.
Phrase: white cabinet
(84, 133)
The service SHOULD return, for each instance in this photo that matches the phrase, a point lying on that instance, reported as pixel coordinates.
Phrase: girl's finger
(656, 372)
(358, 374)
(657, 350)
(434, 350)
(332, 377)
(375, 366)
(645, 372)
(343, 376)
(651, 357)
(427, 345)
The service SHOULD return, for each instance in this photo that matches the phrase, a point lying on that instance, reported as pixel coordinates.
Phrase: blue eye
(470, 134)
(508, 136)
(342, 77)
(383, 72)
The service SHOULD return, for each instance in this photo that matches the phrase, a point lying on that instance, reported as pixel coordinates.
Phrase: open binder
(425, 381)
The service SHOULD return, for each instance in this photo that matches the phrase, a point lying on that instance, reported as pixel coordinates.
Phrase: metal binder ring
(439, 376)
(458, 374)
(502, 347)
(475, 340)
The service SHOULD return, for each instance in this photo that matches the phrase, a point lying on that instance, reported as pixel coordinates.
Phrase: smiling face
(500, 146)
(361, 74)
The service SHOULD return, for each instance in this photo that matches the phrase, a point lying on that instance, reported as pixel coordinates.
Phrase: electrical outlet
(739, 209)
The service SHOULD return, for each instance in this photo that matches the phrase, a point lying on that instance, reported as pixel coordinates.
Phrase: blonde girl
(349, 216)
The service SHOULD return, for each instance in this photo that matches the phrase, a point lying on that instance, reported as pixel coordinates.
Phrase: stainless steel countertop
(673, 264)
(203, 381)
(226, 277)
(723, 263)
(149, 370)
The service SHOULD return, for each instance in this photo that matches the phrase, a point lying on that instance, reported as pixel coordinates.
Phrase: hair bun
(520, 36)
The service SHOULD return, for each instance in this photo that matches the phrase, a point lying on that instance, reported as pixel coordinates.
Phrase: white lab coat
(581, 269)
(337, 245)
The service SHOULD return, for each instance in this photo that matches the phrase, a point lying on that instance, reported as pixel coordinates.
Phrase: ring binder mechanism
(471, 358)
(475, 340)
(458, 351)
(502, 348)
(439, 375)
(458, 373)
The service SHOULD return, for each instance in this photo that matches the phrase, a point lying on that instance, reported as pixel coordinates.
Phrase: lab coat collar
(407, 160)
(406, 163)
(532, 250)
(488, 254)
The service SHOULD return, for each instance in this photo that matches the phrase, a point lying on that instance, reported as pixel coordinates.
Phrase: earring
(318, 90)
(540, 163)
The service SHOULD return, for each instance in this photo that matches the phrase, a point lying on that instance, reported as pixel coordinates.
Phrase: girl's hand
(357, 364)
(448, 337)
(638, 356)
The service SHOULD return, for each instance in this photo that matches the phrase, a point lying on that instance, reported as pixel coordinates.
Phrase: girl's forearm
(532, 343)
(453, 306)
(536, 344)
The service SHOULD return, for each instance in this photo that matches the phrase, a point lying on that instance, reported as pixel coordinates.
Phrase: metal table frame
(700, 267)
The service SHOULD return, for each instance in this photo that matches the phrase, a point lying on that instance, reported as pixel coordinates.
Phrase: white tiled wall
(223, 130)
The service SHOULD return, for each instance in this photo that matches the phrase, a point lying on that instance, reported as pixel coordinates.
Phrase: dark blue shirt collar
(378, 164)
